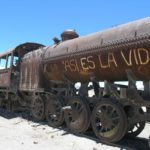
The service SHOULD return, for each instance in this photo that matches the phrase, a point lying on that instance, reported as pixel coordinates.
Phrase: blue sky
(40, 20)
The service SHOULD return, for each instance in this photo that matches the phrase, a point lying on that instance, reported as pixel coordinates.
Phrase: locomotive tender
(42, 80)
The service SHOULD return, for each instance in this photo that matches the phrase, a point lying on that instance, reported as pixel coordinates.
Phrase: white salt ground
(20, 134)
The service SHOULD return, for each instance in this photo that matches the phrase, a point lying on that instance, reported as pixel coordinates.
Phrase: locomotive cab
(10, 67)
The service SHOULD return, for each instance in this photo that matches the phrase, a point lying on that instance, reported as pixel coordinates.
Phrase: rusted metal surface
(30, 78)
(107, 54)
(5, 78)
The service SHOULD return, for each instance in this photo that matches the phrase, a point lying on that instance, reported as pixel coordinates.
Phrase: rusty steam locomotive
(42, 80)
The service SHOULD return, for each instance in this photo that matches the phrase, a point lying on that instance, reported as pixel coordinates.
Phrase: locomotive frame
(114, 110)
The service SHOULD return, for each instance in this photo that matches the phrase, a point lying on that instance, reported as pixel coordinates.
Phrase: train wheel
(54, 113)
(109, 121)
(136, 129)
(77, 117)
(38, 108)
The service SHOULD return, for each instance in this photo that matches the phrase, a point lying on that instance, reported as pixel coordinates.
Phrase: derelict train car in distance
(42, 80)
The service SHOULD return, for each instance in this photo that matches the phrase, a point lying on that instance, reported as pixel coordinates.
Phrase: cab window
(3, 63)
(15, 61)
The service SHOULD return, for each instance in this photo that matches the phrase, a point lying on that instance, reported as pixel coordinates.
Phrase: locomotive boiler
(108, 52)
(42, 80)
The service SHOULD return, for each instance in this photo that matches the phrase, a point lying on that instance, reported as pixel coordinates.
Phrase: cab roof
(22, 49)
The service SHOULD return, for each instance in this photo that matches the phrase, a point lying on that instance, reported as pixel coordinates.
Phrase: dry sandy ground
(17, 133)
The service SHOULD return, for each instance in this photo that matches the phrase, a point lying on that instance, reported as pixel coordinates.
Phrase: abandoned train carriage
(42, 80)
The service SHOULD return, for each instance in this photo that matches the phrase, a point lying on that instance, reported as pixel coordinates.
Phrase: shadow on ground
(126, 144)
